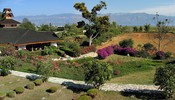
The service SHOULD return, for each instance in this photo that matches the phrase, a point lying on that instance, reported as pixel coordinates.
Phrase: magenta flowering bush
(125, 51)
(109, 50)
(102, 53)
(159, 55)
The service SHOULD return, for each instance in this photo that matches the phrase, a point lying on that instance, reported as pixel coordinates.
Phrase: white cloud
(162, 10)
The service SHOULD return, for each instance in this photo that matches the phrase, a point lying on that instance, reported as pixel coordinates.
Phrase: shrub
(84, 97)
(143, 53)
(19, 90)
(168, 54)
(11, 94)
(165, 78)
(8, 62)
(92, 92)
(30, 86)
(148, 46)
(117, 72)
(102, 53)
(125, 51)
(97, 72)
(2, 96)
(4, 72)
(7, 50)
(109, 50)
(52, 89)
(126, 43)
(160, 55)
(38, 82)
(49, 50)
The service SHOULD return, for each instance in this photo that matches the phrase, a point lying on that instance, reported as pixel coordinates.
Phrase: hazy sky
(49, 7)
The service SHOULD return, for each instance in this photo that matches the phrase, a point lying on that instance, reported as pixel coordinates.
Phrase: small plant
(52, 89)
(11, 94)
(148, 46)
(84, 97)
(160, 55)
(2, 96)
(38, 82)
(30, 86)
(92, 92)
(19, 90)
(4, 72)
(126, 43)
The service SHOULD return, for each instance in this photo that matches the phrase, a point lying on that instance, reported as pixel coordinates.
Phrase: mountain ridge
(129, 19)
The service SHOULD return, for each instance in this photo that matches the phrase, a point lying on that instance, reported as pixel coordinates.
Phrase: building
(21, 38)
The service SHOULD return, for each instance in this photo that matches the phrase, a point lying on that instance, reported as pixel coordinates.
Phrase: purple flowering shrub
(159, 55)
(125, 51)
(110, 50)
(102, 53)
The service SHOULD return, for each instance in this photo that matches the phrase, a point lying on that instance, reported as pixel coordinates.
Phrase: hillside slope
(168, 44)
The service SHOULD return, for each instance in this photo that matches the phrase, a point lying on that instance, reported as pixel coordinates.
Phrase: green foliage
(30, 86)
(38, 82)
(168, 54)
(7, 50)
(165, 78)
(8, 62)
(97, 72)
(135, 29)
(92, 92)
(47, 27)
(147, 28)
(148, 46)
(2, 95)
(52, 89)
(126, 43)
(26, 24)
(11, 94)
(4, 72)
(84, 97)
(98, 24)
(1, 16)
(49, 50)
(19, 90)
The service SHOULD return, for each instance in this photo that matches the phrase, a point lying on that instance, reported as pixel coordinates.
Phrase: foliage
(30, 86)
(92, 92)
(126, 43)
(52, 89)
(148, 46)
(168, 54)
(19, 90)
(8, 63)
(105, 52)
(160, 55)
(47, 27)
(84, 97)
(51, 50)
(7, 50)
(147, 28)
(98, 24)
(165, 78)
(135, 29)
(26, 24)
(38, 82)
(125, 51)
(97, 72)
(11, 94)
(4, 72)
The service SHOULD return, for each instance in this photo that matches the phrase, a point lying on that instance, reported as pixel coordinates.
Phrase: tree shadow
(76, 88)
(144, 94)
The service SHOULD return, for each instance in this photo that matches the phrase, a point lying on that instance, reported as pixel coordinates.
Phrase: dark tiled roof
(18, 36)
(9, 21)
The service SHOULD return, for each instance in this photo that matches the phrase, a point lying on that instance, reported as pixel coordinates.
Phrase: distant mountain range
(129, 19)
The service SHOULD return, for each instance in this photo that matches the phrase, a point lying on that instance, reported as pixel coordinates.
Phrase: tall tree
(97, 24)
(0, 15)
(162, 29)
(26, 24)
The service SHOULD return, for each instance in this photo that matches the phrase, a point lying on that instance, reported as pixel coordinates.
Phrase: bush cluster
(2, 96)
(92, 92)
(126, 43)
(38, 82)
(4, 72)
(84, 97)
(19, 90)
(125, 51)
(11, 94)
(105, 52)
(52, 89)
(30, 86)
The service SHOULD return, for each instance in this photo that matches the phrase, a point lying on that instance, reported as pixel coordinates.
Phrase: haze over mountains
(129, 19)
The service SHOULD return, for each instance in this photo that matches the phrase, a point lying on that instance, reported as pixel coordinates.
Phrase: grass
(10, 82)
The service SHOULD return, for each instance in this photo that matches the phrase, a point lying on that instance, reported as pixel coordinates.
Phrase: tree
(0, 15)
(97, 24)
(163, 29)
(165, 78)
(126, 43)
(147, 27)
(135, 29)
(26, 24)
(97, 72)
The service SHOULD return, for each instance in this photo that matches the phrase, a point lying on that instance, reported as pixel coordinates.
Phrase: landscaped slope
(142, 38)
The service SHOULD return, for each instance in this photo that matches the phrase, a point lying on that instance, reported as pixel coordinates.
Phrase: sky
(50, 7)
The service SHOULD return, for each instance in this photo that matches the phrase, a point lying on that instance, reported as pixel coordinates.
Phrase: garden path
(105, 87)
